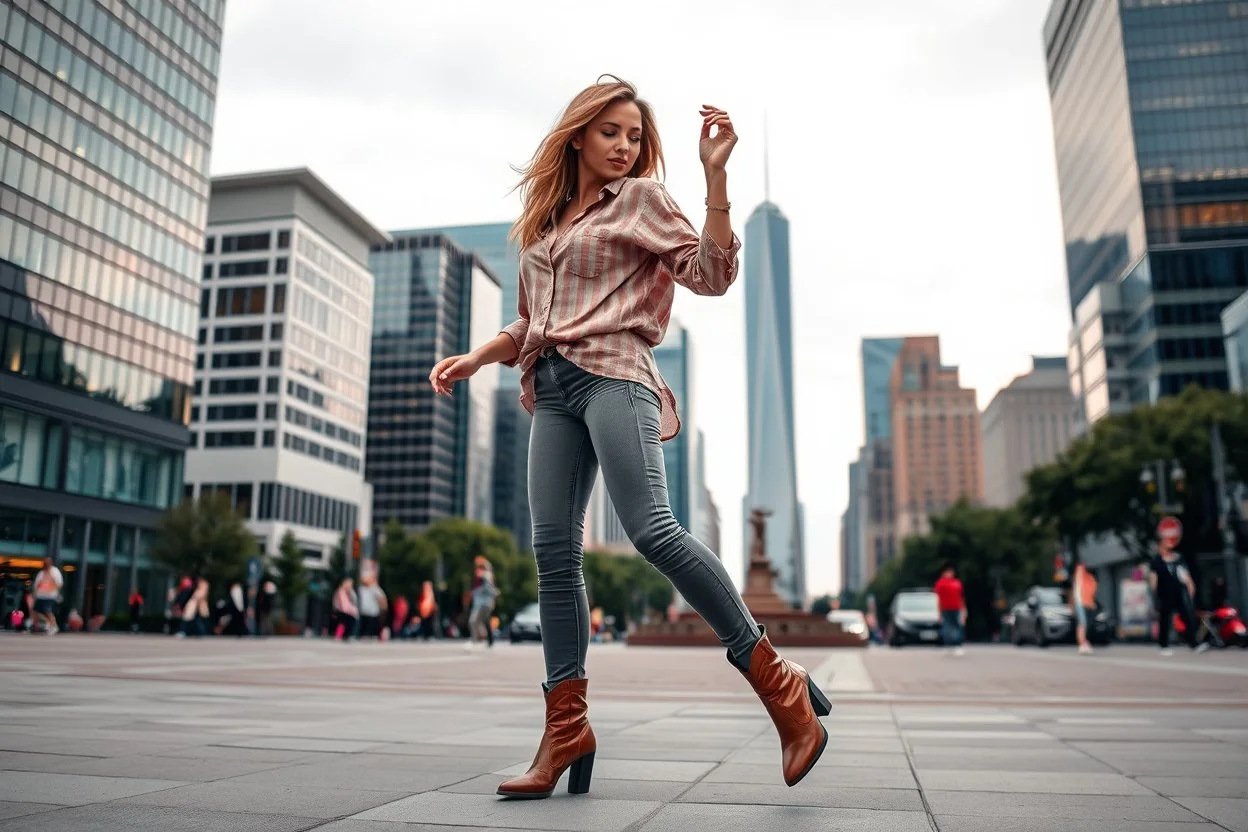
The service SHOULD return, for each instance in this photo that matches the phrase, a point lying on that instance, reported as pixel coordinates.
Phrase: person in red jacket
(952, 608)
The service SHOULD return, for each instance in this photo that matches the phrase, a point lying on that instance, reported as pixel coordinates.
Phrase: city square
(136, 732)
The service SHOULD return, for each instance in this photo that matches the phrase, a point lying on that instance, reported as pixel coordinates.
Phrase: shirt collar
(613, 186)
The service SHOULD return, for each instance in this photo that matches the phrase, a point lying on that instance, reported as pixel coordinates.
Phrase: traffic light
(355, 545)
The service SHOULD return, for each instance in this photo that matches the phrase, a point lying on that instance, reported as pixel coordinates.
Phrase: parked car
(914, 618)
(1044, 617)
(852, 623)
(526, 625)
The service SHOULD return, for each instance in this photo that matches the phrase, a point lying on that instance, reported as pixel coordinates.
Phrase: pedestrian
(603, 246)
(952, 604)
(48, 582)
(427, 609)
(233, 611)
(136, 608)
(483, 594)
(1174, 591)
(266, 600)
(372, 603)
(399, 618)
(1083, 604)
(346, 611)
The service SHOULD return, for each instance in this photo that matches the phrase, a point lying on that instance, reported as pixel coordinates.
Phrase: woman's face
(610, 145)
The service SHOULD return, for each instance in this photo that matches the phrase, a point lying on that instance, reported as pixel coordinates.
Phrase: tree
(291, 576)
(406, 561)
(458, 540)
(982, 543)
(338, 569)
(204, 537)
(821, 606)
(625, 586)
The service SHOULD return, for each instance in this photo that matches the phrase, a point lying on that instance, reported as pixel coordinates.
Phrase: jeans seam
(576, 474)
(732, 594)
(641, 444)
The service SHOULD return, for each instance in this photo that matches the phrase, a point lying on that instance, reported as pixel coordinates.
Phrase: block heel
(580, 774)
(818, 700)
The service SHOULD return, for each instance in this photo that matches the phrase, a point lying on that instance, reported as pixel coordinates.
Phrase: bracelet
(710, 207)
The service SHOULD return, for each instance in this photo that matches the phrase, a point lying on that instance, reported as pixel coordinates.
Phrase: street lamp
(1154, 477)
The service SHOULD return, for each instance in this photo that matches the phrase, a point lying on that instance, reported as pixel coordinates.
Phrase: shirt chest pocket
(591, 254)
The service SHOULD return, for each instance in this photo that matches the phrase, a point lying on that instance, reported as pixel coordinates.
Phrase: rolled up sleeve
(696, 261)
(519, 328)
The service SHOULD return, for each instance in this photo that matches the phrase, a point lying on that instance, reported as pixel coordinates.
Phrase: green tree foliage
(205, 537)
(978, 541)
(1095, 487)
(338, 568)
(406, 561)
(821, 605)
(625, 586)
(291, 576)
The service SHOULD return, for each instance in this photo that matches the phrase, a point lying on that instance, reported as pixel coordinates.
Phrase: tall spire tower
(766, 164)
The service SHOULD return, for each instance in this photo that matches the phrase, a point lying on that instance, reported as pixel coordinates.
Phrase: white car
(852, 622)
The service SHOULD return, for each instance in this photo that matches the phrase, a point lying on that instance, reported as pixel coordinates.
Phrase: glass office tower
(106, 113)
(1150, 118)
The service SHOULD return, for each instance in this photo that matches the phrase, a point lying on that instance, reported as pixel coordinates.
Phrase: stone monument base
(785, 629)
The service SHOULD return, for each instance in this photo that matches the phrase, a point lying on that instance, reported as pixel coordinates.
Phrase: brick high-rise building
(936, 437)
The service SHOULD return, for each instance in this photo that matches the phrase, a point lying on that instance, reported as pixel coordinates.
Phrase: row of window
(355, 279)
(319, 451)
(244, 300)
(233, 439)
(328, 320)
(332, 406)
(46, 254)
(118, 160)
(104, 93)
(322, 426)
(236, 386)
(336, 382)
(162, 15)
(328, 352)
(240, 334)
(256, 241)
(126, 45)
(305, 508)
(339, 298)
(239, 360)
(50, 359)
(246, 268)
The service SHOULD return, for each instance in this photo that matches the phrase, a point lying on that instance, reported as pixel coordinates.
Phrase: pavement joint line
(914, 772)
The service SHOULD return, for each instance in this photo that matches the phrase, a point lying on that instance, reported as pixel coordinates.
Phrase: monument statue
(758, 546)
(760, 592)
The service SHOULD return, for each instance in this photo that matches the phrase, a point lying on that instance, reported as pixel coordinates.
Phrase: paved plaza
(116, 732)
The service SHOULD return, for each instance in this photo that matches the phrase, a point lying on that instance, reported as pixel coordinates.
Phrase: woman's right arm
(503, 348)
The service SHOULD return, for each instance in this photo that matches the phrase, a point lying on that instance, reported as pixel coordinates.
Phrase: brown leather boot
(568, 742)
(794, 704)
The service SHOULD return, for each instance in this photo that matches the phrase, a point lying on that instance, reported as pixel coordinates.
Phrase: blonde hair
(550, 176)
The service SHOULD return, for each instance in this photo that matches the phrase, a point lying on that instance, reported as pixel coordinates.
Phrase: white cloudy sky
(911, 149)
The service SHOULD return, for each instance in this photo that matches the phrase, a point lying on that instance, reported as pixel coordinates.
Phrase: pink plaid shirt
(601, 291)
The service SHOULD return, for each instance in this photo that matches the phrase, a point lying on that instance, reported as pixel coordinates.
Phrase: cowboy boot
(794, 704)
(568, 742)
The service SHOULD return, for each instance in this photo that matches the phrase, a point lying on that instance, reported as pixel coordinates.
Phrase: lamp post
(1160, 476)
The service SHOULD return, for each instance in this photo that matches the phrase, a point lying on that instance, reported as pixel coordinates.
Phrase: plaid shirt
(600, 292)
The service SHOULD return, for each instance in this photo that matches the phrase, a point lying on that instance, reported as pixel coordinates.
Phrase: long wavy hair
(550, 176)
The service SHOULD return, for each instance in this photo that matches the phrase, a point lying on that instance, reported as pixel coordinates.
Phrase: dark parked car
(914, 618)
(1044, 617)
(526, 625)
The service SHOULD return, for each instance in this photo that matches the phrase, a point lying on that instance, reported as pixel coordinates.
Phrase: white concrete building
(1028, 423)
(281, 384)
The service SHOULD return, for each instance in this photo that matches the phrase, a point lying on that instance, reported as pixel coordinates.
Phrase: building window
(207, 274)
(195, 413)
(270, 438)
(230, 439)
(210, 245)
(236, 334)
(233, 386)
(233, 360)
(272, 384)
(203, 335)
(283, 239)
(279, 298)
(275, 358)
(205, 302)
(270, 410)
(199, 361)
(243, 268)
(281, 266)
(276, 331)
(231, 412)
(240, 300)
(259, 241)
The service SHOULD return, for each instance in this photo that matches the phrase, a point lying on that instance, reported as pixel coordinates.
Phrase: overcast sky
(911, 149)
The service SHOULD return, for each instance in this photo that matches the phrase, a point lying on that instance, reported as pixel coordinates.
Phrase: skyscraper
(280, 405)
(674, 358)
(772, 473)
(936, 438)
(873, 510)
(106, 113)
(1151, 135)
(512, 422)
(1028, 423)
(430, 456)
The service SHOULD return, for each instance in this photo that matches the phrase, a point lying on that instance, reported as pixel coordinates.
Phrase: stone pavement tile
(495, 812)
(871, 745)
(345, 774)
(841, 797)
(632, 770)
(823, 776)
(1069, 806)
(34, 761)
(166, 768)
(17, 810)
(1008, 759)
(1228, 811)
(428, 749)
(1164, 750)
(111, 817)
(249, 755)
(1030, 781)
(1117, 733)
(1225, 786)
(351, 825)
(661, 791)
(683, 817)
(611, 750)
(1153, 767)
(958, 736)
(953, 823)
(112, 747)
(307, 802)
(831, 757)
(302, 744)
(74, 789)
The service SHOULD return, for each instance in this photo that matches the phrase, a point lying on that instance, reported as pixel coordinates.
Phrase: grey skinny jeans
(581, 421)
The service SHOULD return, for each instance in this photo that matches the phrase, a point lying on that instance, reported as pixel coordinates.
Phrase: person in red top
(952, 608)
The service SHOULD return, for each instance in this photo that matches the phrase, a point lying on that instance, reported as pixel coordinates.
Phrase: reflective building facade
(675, 359)
(512, 422)
(772, 469)
(430, 456)
(1150, 116)
(1235, 329)
(106, 114)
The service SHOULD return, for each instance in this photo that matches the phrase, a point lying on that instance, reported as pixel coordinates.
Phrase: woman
(427, 610)
(1083, 604)
(603, 246)
(346, 612)
(483, 595)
